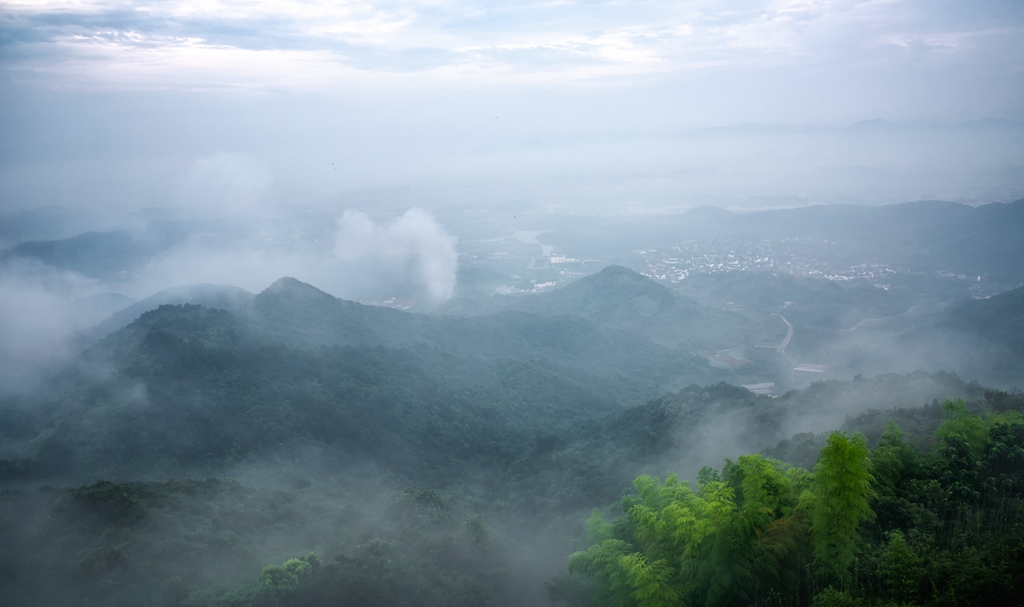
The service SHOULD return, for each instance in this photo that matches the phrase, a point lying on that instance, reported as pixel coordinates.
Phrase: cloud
(414, 244)
(357, 258)
(43, 308)
(320, 44)
(230, 183)
(36, 318)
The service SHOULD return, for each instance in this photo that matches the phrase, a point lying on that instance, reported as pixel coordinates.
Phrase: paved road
(789, 334)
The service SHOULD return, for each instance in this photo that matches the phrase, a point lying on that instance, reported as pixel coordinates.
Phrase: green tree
(840, 501)
(830, 597)
(660, 552)
(278, 582)
(675, 546)
(900, 568)
(958, 421)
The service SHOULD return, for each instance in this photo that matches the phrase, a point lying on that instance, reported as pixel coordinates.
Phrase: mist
(418, 303)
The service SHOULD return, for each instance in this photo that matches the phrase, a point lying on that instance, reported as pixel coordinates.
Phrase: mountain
(187, 391)
(458, 455)
(978, 339)
(998, 319)
(212, 296)
(920, 236)
(982, 339)
(299, 315)
(623, 300)
(45, 223)
(93, 254)
(986, 336)
(195, 390)
(499, 503)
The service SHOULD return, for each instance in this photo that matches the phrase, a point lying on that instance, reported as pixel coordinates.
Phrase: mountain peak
(619, 277)
(287, 283)
(614, 290)
(292, 288)
(619, 271)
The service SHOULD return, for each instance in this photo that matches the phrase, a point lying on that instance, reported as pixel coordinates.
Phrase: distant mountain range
(999, 319)
(188, 390)
(926, 236)
(212, 296)
(293, 355)
(531, 416)
(918, 236)
(621, 299)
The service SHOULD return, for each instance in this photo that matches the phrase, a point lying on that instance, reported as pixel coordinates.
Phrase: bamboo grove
(890, 525)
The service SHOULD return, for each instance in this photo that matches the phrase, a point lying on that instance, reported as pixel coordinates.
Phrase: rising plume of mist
(413, 244)
(41, 309)
(358, 258)
(34, 320)
(47, 309)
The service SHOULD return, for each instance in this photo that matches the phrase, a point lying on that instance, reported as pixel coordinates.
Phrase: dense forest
(874, 521)
(303, 450)
(484, 303)
(890, 525)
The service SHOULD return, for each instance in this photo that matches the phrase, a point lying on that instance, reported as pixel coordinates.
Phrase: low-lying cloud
(36, 319)
(414, 245)
(227, 182)
(44, 309)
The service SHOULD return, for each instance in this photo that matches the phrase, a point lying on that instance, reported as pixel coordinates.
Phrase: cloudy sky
(362, 123)
(124, 103)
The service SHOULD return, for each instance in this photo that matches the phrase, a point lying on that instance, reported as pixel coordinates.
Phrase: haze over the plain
(316, 303)
(230, 108)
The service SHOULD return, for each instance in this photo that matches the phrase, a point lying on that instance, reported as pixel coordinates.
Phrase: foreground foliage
(890, 525)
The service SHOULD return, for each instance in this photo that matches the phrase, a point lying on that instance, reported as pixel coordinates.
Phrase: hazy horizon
(221, 108)
(315, 303)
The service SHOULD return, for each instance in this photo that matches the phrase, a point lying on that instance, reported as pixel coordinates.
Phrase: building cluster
(721, 256)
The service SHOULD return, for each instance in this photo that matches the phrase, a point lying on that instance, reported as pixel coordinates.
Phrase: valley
(206, 438)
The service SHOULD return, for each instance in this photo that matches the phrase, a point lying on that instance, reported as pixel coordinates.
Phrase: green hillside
(187, 390)
(621, 299)
(999, 319)
(212, 296)
(306, 450)
(299, 315)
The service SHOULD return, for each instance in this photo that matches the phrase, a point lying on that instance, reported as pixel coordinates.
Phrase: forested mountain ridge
(980, 339)
(425, 459)
(223, 297)
(187, 390)
(621, 299)
(300, 315)
(198, 394)
(93, 254)
(998, 319)
(121, 543)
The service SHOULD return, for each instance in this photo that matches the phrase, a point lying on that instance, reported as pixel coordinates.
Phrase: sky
(132, 104)
(336, 133)
(888, 56)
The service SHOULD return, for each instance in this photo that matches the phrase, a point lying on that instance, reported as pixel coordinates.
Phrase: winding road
(789, 334)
